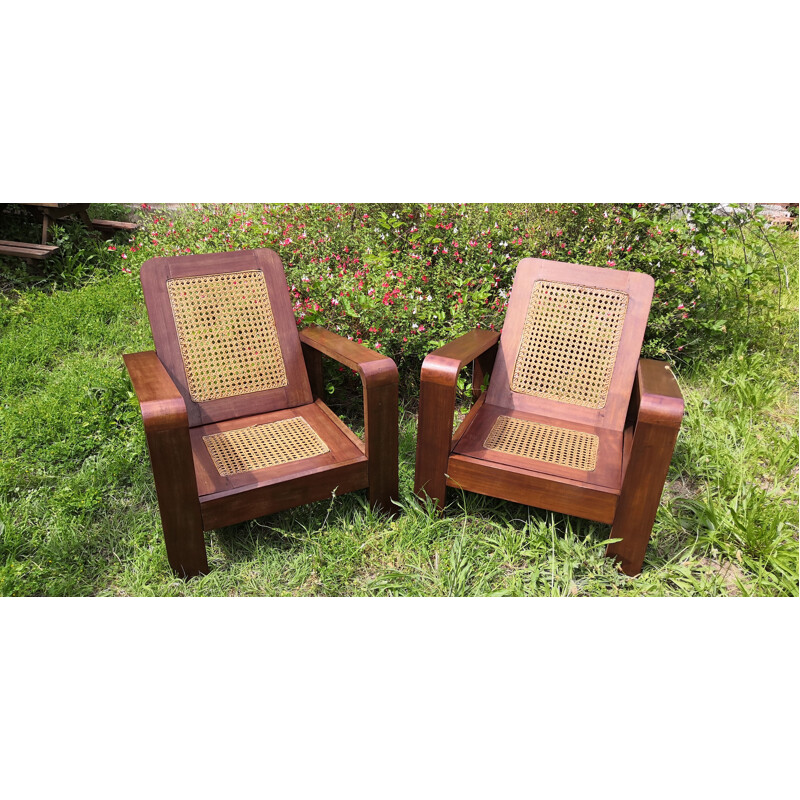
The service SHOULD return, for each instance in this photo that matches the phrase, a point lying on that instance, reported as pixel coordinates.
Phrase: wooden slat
(49, 248)
(27, 249)
(526, 487)
(114, 225)
(230, 508)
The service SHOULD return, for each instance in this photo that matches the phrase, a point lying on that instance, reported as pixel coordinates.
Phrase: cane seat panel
(546, 443)
(259, 446)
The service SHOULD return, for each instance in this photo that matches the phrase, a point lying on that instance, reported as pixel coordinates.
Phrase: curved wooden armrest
(163, 407)
(437, 401)
(656, 398)
(379, 379)
(656, 408)
(443, 365)
(374, 368)
(166, 427)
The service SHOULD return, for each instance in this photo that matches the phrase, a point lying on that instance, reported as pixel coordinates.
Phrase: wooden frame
(192, 495)
(637, 428)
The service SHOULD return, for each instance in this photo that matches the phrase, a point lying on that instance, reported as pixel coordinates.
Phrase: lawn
(78, 512)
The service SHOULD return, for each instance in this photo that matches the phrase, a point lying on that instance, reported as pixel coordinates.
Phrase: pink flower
(611, 263)
(112, 247)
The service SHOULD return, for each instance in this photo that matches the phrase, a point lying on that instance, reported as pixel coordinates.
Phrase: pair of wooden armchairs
(572, 421)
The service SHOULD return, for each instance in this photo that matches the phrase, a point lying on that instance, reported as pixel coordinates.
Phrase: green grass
(78, 513)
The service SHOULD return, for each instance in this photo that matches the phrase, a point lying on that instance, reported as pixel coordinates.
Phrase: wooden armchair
(572, 421)
(230, 401)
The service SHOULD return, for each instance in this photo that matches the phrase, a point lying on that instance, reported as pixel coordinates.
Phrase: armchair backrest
(571, 342)
(224, 329)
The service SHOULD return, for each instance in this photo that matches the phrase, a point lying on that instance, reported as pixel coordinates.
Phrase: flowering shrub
(405, 278)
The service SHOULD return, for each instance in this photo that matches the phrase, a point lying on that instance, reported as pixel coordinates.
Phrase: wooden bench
(30, 252)
(111, 226)
(775, 217)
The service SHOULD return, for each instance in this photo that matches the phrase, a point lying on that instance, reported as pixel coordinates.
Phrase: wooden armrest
(166, 427)
(373, 368)
(380, 382)
(437, 401)
(163, 406)
(656, 398)
(443, 365)
(657, 409)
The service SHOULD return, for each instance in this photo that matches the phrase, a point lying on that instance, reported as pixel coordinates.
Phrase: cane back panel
(224, 329)
(571, 341)
(227, 335)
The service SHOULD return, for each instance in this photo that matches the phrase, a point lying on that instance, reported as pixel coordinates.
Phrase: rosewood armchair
(230, 401)
(573, 420)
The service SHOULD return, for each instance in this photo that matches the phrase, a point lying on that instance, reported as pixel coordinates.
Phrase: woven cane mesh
(260, 446)
(227, 334)
(547, 443)
(569, 343)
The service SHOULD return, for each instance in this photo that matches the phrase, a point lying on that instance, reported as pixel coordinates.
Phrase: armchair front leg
(379, 380)
(166, 427)
(437, 400)
(658, 406)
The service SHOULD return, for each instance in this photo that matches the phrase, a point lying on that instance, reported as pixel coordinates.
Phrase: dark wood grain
(341, 449)
(658, 420)
(47, 212)
(639, 288)
(438, 380)
(313, 362)
(166, 427)
(231, 508)
(379, 379)
(636, 428)
(540, 490)
(27, 250)
(607, 473)
(110, 226)
(154, 276)
(192, 494)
